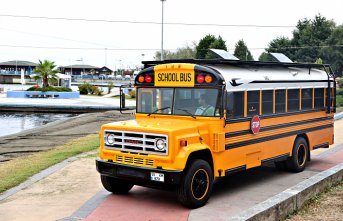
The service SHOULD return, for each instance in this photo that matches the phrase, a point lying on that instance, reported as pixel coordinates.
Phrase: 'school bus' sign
(179, 75)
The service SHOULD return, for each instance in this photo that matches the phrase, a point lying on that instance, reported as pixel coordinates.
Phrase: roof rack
(236, 63)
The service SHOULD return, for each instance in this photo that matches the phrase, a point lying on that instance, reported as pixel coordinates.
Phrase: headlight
(160, 144)
(110, 139)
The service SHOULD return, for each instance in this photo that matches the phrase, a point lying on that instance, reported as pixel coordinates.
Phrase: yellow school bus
(199, 120)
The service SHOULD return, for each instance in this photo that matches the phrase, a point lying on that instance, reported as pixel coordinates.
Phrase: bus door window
(253, 103)
(235, 104)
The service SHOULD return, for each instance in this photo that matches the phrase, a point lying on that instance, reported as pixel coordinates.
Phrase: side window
(267, 102)
(235, 104)
(318, 97)
(306, 99)
(293, 100)
(280, 101)
(253, 103)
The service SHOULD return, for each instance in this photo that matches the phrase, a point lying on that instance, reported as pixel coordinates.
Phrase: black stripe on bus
(238, 120)
(323, 145)
(275, 159)
(274, 137)
(278, 126)
(235, 170)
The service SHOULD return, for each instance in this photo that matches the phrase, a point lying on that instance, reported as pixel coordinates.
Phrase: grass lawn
(326, 206)
(20, 169)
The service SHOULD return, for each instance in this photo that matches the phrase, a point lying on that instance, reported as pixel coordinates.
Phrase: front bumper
(137, 175)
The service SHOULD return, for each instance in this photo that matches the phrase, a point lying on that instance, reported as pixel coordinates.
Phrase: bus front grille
(137, 161)
(135, 142)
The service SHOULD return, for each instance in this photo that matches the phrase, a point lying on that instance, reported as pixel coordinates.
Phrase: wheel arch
(203, 154)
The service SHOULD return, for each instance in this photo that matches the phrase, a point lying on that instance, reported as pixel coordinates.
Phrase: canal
(12, 122)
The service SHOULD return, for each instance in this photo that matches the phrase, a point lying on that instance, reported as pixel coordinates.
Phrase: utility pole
(162, 58)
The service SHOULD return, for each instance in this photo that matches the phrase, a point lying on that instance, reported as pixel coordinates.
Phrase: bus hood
(156, 125)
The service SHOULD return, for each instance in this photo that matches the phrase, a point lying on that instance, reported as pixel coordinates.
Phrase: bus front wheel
(196, 186)
(115, 185)
(297, 162)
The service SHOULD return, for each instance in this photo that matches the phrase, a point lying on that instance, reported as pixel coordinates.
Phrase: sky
(123, 45)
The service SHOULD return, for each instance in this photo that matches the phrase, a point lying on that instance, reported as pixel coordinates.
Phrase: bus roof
(243, 75)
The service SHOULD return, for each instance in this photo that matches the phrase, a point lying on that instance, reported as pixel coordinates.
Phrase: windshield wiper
(189, 113)
(163, 108)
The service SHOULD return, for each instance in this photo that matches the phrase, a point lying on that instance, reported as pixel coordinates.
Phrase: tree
(207, 42)
(180, 53)
(265, 57)
(333, 53)
(309, 36)
(47, 72)
(242, 52)
(281, 45)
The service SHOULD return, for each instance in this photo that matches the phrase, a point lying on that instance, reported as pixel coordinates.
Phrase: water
(11, 123)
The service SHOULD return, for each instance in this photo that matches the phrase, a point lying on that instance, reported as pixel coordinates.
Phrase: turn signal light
(208, 79)
(200, 79)
(183, 143)
(148, 79)
(141, 79)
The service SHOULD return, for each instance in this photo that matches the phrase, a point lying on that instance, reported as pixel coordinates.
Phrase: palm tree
(46, 72)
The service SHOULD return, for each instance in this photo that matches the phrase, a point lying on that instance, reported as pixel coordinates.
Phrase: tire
(196, 186)
(116, 186)
(297, 162)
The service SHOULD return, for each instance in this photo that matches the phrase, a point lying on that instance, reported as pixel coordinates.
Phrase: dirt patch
(55, 134)
(328, 206)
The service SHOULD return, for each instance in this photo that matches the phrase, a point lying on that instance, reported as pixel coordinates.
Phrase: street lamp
(162, 30)
(82, 65)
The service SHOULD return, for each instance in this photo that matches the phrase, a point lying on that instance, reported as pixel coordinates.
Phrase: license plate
(157, 176)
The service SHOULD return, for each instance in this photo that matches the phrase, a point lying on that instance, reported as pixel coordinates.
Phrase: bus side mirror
(122, 99)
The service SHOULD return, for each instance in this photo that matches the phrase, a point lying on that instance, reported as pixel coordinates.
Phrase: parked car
(119, 77)
(127, 77)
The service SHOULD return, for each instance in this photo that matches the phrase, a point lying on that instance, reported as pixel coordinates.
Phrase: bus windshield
(179, 101)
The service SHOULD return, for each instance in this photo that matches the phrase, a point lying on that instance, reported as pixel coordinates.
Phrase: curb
(287, 202)
(338, 116)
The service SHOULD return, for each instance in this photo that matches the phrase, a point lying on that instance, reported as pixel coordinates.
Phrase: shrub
(132, 93)
(50, 88)
(85, 88)
(340, 82)
(339, 101)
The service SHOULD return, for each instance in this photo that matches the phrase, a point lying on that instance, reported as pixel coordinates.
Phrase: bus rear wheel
(116, 186)
(196, 186)
(297, 162)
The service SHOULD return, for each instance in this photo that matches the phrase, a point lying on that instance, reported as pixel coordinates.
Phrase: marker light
(141, 79)
(148, 79)
(200, 79)
(208, 79)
